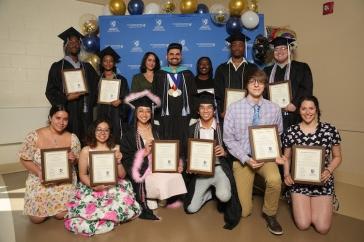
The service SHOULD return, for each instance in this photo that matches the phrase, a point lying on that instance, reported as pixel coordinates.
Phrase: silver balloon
(219, 14)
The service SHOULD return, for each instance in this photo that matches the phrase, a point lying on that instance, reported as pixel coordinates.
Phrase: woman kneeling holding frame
(312, 202)
(97, 209)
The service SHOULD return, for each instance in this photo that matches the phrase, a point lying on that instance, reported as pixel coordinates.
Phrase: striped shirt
(239, 116)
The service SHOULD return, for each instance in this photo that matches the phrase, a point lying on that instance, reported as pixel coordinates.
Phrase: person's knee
(322, 228)
(303, 224)
(37, 220)
(223, 195)
(274, 182)
(60, 215)
(193, 208)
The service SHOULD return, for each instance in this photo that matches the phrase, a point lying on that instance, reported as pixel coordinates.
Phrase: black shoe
(148, 214)
(273, 226)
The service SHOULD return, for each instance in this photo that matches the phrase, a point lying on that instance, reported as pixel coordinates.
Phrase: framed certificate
(307, 164)
(102, 168)
(165, 155)
(201, 156)
(280, 93)
(264, 142)
(233, 95)
(109, 90)
(74, 81)
(56, 168)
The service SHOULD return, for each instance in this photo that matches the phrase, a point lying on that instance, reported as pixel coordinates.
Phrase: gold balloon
(117, 7)
(169, 6)
(236, 7)
(94, 60)
(188, 6)
(253, 6)
(89, 27)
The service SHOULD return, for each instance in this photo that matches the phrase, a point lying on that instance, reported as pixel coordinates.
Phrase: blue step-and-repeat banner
(132, 36)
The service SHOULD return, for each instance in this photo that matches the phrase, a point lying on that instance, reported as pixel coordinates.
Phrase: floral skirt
(90, 212)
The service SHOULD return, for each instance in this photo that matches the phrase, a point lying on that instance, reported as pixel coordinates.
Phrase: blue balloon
(202, 8)
(136, 7)
(91, 43)
(233, 25)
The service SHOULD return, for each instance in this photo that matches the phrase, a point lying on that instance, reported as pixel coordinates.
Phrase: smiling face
(308, 111)
(73, 46)
(150, 62)
(143, 114)
(59, 121)
(206, 112)
(174, 57)
(108, 62)
(204, 67)
(281, 54)
(255, 87)
(102, 132)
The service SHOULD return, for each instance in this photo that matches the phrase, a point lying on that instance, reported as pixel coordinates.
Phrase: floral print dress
(39, 200)
(95, 212)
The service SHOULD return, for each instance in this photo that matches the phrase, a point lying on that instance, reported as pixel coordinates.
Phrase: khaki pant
(244, 178)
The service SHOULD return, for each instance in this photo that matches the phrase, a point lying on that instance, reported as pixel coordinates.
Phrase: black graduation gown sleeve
(219, 86)
(231, 209)
(54, 89)
(158, 88)
(303, 82)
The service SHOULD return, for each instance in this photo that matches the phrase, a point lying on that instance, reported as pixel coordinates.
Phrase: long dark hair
(210, 63)
(91, 134)
(143, 67)
(312, 99)
(54, 109)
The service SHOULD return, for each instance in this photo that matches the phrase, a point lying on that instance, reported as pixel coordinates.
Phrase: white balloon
(250, 19)
(152, 8)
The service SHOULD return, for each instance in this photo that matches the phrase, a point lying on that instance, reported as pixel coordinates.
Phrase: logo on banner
(113, 27)
(184, 46)
(206, 45)
(226, 47)
(159, 46)
(136, 26)
(115, 47)
(205, 24)
(182, 25)
(158, 25)
(136, 46)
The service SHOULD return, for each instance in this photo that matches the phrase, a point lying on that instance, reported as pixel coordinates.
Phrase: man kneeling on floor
(222, 185)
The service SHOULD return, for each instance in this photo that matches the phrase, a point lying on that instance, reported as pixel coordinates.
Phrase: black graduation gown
(117, 116)
(222, 80)
(204, 84)
(173, 126)
(231, 209)
(79, 117)
(128, 148)
(301, 84)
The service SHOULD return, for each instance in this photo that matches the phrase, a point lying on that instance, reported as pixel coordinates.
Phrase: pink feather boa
(137, 164)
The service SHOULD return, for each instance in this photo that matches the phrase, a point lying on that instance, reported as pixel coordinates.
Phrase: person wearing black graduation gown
(199, 187)
(204, 78)
(175, 86)
(80, 106)
(298, 73)
(233, 73)
(116, 112)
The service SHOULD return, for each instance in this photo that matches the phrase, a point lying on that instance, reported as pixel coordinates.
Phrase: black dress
(301, 84)
(81, 109)
(117, 116)
(327, 136)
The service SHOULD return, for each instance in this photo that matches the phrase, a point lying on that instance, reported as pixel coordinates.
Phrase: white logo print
(158, 25)
(205, 24)
(113, 27)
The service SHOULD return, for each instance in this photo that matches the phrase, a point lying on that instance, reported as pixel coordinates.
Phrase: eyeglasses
(281, 48)
(255, 81)
(102, 130)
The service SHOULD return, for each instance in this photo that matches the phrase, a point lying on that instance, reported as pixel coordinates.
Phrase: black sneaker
(273, 226)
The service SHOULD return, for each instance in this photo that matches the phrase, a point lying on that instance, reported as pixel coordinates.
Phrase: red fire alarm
(328, 8)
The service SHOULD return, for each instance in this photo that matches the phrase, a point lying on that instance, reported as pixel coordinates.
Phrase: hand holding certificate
(201, 156)
(233, 95)
(165, 155)
(102, 168)
(55, 166)
(307, 164)
(109, 90)
(264, 142)
(280, 93)
(74, 81)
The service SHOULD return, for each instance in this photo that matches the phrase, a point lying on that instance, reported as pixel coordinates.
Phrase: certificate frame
(210, 171)
(276, 146)
(286, 85)
(117, 93)
(66, 80)
(112, 163)
(46, 167)
(296, 149)
(158, 147)
(232, 90)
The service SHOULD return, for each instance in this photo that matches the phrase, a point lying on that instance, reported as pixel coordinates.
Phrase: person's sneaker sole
(274, 232)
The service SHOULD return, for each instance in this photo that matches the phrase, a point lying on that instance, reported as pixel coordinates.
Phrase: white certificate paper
(264, 142)
(74, 81)
(165, 156)
(103, 168)
(56, 165)
(280, 93)
(233, 95)
(201, 156)
(307, 164)
(109, 90)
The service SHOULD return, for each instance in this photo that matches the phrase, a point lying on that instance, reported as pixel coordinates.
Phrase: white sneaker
(152, 204)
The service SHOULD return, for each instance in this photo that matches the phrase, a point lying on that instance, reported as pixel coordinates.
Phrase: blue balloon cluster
(91, 43)
(233, 25)
(136, 7)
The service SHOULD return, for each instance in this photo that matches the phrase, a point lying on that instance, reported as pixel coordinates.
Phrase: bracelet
(327, 169)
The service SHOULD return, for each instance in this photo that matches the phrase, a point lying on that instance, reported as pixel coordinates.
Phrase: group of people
(171, 103)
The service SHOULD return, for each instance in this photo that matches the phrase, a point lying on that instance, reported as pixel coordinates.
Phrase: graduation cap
(142, 99)
(282, 41)
(205, 97)
(109, 51)
(237, 37)
(65, 35)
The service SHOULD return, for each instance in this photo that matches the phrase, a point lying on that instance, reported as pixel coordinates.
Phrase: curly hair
(91, 134)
